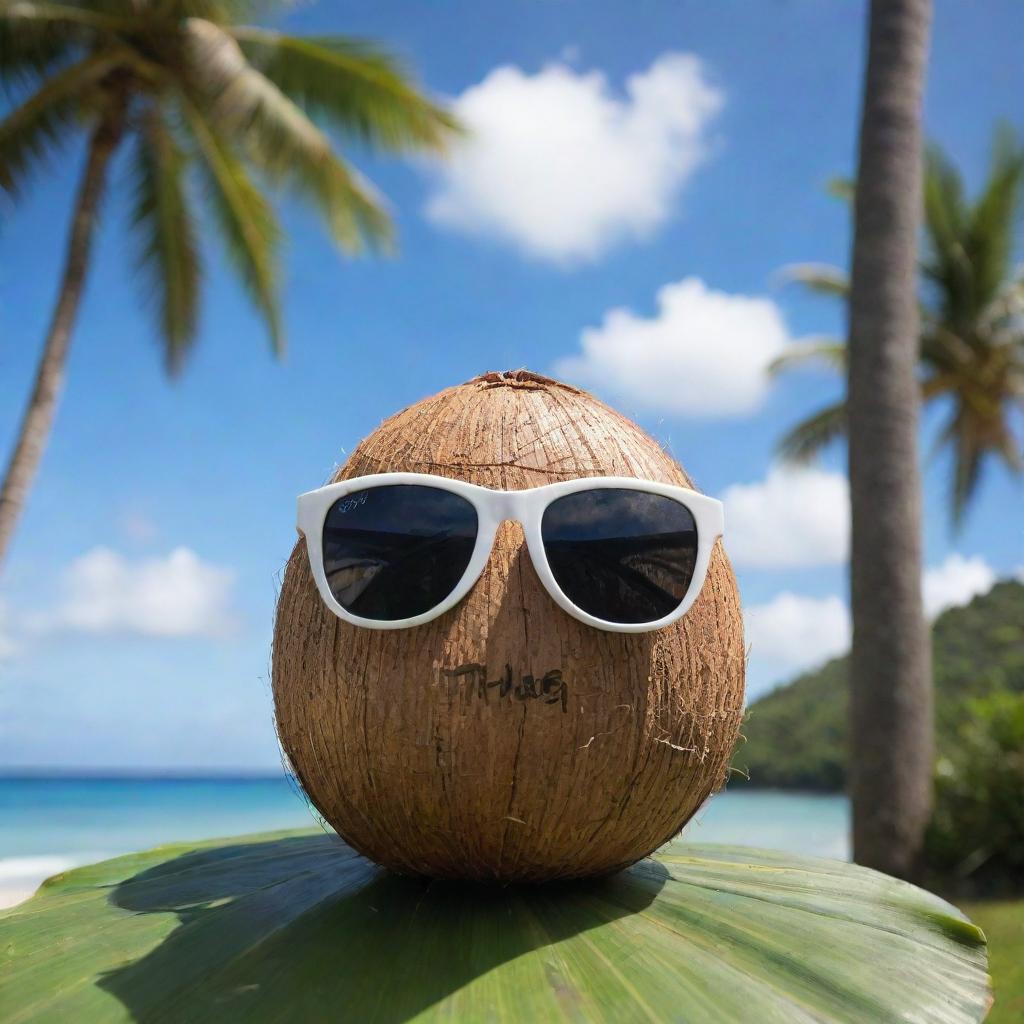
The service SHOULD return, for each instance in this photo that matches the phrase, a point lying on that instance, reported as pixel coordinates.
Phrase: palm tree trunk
(891, 716)
(38, 418)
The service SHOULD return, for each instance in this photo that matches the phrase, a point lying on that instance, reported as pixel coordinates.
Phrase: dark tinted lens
(623, 556)
(396, 552)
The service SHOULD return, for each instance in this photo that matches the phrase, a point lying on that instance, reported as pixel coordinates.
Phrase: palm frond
(946, 263)
(842, 188)
(1004, 317)
(946, 208)
(807, 439)
(975, 436)
(827, 352)
(223, 12)
(972, 310)
(247, 224)
(939, 383)
(967, 457)
(993, 219)
(944, 351)
(355, 86)
(817, 277)
(1009, 450)
(28, 15)
(165, 227)
(280, 138)
(30, 47)
(39, 125)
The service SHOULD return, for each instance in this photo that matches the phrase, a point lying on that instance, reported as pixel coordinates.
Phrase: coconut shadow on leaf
(304, 929)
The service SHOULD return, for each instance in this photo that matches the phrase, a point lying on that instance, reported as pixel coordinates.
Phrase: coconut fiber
(505, 740)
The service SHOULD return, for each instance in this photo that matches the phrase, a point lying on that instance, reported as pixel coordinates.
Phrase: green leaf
(297, 927)
(819, 278)
(829, 353)
(278, 136)
(33, 23)
(970, 245)
(806, 440)
(971, 436)
(994, 219)
(844, 189)
(248, 227)
(947, 263)
(40, 124)
(29, 47)
(166, 230)
(354, 85)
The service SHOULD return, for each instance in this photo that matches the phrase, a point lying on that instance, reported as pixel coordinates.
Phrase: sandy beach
(21, 876)
(11, 896)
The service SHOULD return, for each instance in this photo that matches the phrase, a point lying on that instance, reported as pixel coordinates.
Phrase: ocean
(48, 825)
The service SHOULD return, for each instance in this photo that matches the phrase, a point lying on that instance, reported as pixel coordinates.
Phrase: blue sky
(699, 136)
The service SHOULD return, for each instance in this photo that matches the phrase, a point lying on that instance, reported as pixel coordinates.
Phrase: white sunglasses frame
(494, 507)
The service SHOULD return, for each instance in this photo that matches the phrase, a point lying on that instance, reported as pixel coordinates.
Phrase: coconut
(505, 740)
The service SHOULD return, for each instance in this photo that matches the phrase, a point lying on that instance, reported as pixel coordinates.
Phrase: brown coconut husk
(441, 750)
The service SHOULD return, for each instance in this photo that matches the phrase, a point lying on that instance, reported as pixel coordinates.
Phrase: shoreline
(49, 827)
(20, 877)
(11, 895)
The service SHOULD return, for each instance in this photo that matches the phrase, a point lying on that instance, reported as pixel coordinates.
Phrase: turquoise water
(48, 825)
(66, 816)
(797, 822)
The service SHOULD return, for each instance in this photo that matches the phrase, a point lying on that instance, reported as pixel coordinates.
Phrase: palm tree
(891, 728)
(971, 348)
(203, 102)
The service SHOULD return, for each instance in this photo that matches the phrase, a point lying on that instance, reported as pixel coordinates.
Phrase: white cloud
(795, 517)
(795, 632)
(791, 632)
(175, 596)
(704, 353)
(955, 582)
(563, 168)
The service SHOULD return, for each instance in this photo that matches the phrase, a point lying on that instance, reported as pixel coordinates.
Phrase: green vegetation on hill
(796, 735)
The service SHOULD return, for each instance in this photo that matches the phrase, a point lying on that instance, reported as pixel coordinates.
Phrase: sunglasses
(395, 550)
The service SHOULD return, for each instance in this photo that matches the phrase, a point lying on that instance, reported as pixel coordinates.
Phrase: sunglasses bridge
(507, 507)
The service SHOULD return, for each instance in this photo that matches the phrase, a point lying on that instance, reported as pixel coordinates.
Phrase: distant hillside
(796, 735)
